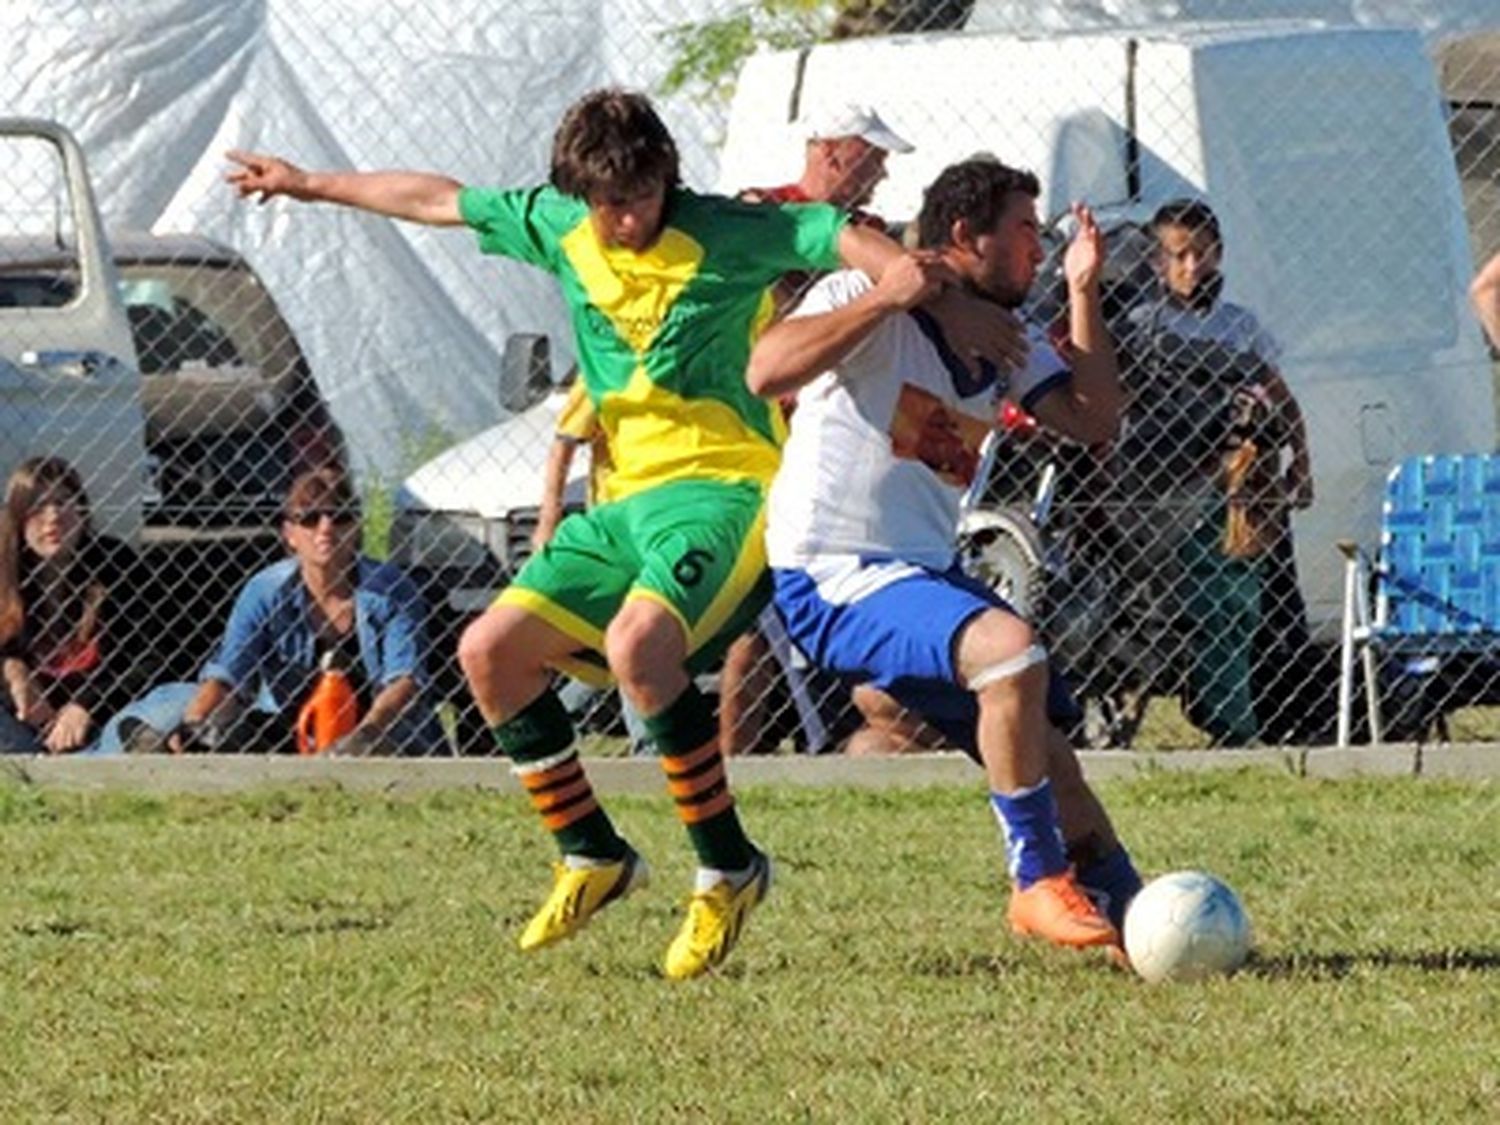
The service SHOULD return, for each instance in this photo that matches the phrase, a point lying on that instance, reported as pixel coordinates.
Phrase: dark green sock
(539, 742)
(686, 736)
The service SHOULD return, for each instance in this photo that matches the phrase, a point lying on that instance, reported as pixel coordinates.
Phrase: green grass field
(320, 956)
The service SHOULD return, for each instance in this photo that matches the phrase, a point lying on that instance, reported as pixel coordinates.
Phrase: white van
(464, 519)
(1324, 152)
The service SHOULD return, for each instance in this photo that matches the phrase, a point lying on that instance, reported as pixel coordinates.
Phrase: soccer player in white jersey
(864, 520)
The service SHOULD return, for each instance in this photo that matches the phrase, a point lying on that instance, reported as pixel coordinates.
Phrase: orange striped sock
(561, 794)
(687, 739)
(539, 743)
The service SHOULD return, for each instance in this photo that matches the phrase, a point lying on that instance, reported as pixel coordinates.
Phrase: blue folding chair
(1436, 579)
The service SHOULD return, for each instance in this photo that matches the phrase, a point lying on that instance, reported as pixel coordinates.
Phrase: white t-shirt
(1184, 366)
(883, 446)
(1227, 340)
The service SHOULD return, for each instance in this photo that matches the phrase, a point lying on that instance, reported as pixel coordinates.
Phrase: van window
(203, 314)
(179, 336)
(37, 199)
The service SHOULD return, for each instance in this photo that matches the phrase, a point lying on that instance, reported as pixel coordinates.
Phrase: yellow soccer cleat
(714, 920)
(578, 893)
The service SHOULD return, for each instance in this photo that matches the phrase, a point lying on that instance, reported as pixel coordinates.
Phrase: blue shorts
(895, 626)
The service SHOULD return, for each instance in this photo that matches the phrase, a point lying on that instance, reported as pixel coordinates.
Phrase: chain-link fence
(1294, 205)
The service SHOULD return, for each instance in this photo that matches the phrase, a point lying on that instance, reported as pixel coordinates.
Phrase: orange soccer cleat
(1055, 908)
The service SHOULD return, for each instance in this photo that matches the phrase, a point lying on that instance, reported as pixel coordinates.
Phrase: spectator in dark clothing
(64, 618)
(1214, 456)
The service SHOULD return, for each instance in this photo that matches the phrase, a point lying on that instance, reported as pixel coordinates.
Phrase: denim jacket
(269, 650)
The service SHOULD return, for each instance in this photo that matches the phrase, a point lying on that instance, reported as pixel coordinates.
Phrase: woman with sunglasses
(326, 603)
(62, 621)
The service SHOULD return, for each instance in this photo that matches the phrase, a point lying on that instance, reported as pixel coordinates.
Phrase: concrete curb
(224, 773)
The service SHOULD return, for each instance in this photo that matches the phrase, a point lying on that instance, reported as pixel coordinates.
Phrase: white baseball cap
(853, 120)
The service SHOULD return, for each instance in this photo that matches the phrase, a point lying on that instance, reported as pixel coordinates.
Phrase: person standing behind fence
(843, 163)
(865, 513)
(666, 289)
(325, 603)
(65, 616)
(1209, 421)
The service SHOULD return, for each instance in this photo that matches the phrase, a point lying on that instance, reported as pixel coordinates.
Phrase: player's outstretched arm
(419, 197)
(795, 351)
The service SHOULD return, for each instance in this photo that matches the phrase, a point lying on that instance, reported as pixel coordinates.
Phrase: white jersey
(883, 446)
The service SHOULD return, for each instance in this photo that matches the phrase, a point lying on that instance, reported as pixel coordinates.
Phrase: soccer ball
(1186, 926)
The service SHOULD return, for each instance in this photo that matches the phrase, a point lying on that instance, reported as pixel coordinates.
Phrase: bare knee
(743, 656)
(480, 645)
(505, 646)
(1000, 650)
(646, 649)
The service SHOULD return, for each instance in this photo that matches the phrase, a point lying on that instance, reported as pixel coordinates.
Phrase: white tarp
(403, 326)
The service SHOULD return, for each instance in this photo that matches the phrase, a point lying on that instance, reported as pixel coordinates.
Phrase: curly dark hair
(612, 143)
(974, 190)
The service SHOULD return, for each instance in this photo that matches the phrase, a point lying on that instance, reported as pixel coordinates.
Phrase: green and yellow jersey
(664, 334)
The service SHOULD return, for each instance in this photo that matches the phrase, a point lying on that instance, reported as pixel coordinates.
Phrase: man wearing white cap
(846, 149)
(847, 146)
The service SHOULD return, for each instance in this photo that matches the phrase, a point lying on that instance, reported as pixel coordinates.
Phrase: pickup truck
(159, 366)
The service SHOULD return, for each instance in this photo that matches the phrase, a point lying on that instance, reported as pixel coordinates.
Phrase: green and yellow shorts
(696, 547)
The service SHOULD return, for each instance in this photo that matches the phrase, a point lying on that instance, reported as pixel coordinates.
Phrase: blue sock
(1033, 844)
(1115, 878)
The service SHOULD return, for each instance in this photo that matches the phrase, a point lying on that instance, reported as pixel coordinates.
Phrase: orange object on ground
(331, 711)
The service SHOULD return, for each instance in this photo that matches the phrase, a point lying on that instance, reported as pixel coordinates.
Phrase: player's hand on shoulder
(1083, 261)
(913, 278)
(265, 176)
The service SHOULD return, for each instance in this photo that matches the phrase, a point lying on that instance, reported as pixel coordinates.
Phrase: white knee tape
(983, 678)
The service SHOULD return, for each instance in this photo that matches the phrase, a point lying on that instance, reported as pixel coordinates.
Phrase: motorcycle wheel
(1003, 549)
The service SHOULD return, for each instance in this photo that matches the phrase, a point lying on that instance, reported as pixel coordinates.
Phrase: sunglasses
(311, 517)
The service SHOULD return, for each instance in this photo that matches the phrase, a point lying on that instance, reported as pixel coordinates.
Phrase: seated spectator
(889, 728)
(62, 615)
(326, 600)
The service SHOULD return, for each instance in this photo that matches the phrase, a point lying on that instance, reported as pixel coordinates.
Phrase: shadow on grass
(1334, 966)
(1295, 966)
(337, 925)
(58, 928)
(949, 964)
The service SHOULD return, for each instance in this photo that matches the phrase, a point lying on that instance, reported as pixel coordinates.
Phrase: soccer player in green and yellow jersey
(667, 290)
